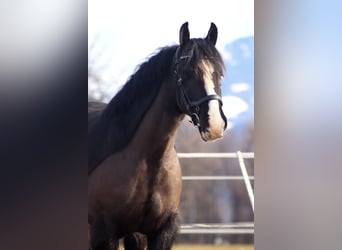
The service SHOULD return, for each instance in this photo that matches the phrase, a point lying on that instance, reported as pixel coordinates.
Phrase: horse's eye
(188, 73)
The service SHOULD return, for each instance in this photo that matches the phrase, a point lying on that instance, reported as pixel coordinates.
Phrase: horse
(134, 175)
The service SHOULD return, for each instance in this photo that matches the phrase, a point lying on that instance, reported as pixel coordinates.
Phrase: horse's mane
(112, 128)
(142, 85)
(116, 125)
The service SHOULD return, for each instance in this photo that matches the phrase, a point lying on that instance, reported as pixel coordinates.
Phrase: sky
(131, 30)
(126, 32)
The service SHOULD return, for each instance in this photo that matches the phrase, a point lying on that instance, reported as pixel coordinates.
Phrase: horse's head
(199, 69)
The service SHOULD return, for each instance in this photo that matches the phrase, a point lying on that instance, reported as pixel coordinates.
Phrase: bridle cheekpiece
(185, 104)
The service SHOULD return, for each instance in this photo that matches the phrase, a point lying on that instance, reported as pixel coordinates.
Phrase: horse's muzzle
(211, 135)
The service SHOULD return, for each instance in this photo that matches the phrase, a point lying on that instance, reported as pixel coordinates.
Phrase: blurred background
(122, 34)
(297, 133)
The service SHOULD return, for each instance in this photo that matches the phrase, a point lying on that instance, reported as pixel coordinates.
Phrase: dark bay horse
(135, 179)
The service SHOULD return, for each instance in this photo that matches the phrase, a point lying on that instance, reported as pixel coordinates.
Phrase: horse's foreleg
(100, 239)
(135, 241)
(165, 236)
(113, 244)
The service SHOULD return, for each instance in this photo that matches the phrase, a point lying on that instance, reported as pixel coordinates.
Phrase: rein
(185, 104)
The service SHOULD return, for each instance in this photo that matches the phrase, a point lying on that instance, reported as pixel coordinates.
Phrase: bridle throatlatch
(185, 104)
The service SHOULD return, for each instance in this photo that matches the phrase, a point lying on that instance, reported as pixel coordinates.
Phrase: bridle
(185, 104)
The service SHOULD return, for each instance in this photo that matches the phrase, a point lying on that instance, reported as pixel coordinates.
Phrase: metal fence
(231, 228)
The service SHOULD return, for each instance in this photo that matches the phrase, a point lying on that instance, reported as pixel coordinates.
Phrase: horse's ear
(184, 34)
(212, 34)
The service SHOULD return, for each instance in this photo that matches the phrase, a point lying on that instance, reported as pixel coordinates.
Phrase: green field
(213, 247)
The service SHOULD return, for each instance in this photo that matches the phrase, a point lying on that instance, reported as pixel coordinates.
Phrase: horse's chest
(157, 191)
(161, 194)
(155, 207)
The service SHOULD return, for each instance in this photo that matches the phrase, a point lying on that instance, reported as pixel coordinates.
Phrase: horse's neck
(157, 132)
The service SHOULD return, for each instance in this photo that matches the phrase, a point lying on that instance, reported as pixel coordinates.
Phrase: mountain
(238, 84)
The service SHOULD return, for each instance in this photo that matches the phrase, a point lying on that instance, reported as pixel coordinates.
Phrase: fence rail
(214, 178)
(232, 228)
(245, 155)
